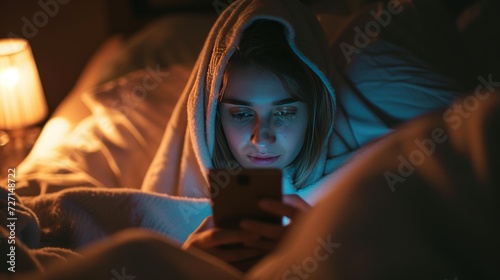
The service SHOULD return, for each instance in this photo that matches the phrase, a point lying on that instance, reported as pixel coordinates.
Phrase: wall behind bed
(64, 34)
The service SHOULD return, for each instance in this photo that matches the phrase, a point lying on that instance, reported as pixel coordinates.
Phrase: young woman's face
(264, 125)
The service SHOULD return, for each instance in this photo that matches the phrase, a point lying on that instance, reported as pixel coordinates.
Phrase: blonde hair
(264, 45)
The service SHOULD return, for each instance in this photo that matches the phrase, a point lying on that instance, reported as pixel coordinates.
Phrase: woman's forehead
(254, 85)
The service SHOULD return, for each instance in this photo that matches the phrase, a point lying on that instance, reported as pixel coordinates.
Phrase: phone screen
(236, 194)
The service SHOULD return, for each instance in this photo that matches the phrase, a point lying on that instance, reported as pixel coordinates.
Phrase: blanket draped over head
(184, 156)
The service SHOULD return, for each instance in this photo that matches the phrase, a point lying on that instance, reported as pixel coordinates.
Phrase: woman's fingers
(296, 201)
(215, 237)
(291, 206)
(266, 230)
(207, 236)
(271, 233)
(235, 254)
(207, 223)
(265, 245)
(210, 240)
(257, 237)
(277, 208)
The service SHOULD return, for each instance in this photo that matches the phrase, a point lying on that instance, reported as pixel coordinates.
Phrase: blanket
(426, 209)
(55, 226)
(424, 205)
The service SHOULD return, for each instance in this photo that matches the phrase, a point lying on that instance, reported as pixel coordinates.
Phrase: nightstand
(15, 146)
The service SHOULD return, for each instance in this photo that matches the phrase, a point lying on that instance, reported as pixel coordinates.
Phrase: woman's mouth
(263, 160)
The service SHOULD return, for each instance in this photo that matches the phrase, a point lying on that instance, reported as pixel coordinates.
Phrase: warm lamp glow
(22, 102)
(9, 77)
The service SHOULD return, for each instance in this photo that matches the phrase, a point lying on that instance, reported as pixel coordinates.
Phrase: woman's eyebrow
(284, 101)
(235, 101)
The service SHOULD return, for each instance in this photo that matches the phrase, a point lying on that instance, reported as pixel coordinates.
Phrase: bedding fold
(55, 227)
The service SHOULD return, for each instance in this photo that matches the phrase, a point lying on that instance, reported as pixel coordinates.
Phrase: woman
(260, 97)
(273, 112)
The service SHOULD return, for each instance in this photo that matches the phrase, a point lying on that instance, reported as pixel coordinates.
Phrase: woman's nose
(263, 134)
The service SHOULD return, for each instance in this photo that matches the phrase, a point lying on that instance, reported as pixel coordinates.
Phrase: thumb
(207, 223)
(296, 201)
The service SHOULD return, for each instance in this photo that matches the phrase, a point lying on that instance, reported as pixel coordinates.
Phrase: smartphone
(236, 194)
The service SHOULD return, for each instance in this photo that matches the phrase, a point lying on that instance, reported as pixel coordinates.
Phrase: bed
(105, 133)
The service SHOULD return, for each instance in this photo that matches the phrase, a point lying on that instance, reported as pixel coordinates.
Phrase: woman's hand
(209, 239)
(291, 206)
(258, 237)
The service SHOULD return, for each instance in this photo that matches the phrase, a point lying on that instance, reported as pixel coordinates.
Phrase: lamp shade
(22, 102)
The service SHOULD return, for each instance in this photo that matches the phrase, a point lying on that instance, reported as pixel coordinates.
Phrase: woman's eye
(285, 114)
(240, 116)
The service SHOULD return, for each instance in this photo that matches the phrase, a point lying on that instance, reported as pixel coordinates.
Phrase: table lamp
(22, 103)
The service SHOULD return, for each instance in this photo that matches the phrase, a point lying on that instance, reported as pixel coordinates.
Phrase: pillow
(391, 69)
(175, 39)
(115, 145)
